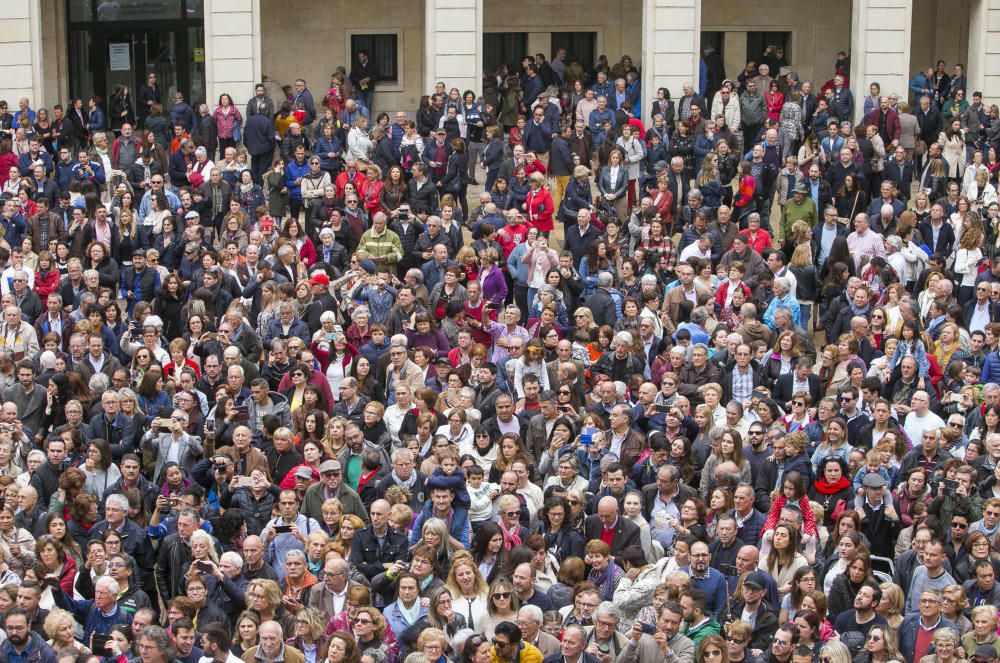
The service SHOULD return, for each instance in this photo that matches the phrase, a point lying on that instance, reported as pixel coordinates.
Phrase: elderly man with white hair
(97, 615)
(529, 620)
(17, 336)
(783, 297)
(601, 303)
(621, 362)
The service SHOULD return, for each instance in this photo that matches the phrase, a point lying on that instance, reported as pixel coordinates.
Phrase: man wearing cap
(331, 484)
(879, 522)
(753, 610)
(139, 281)
(799, 207)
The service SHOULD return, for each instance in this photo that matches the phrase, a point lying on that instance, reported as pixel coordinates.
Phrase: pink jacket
(549, 261)
(225, 124)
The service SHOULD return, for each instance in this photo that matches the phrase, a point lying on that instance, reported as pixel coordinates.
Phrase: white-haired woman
(35, 458)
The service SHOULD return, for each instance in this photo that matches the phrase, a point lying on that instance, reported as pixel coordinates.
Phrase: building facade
(56, 49)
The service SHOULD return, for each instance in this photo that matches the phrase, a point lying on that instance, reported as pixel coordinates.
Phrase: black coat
(945, 241)
(626, 534)
(258, 136)
(368, 558)
(422, 199)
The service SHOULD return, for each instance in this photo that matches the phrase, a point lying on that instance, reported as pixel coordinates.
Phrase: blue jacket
(14, 229)
(87, 613)
(576, 197)
(532, 88)
(908, 633)
(394, 616)
(991, 369)
(26, 163)
(38, 651)
(750, 531)
(326, 145)
(537, 137)
(607, 90)
(63, 175)
(95, 122)
(918, 84)
(596, 124)
(181, 114)
(519, 271)
(274, 330)
(294, 171)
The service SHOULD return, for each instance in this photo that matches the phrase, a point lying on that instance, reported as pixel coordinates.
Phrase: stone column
(21, 53)
(984, 50)
(453, 44)
(232, 49)
(880, 51)
(671, 45)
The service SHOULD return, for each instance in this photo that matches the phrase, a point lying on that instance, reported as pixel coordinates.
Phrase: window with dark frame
(383, 51)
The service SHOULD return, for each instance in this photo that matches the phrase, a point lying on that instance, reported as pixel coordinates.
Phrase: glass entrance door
(119, 42)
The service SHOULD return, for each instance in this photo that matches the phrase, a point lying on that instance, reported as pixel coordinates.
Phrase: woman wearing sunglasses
(501, 606)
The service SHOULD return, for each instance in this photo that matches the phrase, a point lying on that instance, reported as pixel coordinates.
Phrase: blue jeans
(805, 313)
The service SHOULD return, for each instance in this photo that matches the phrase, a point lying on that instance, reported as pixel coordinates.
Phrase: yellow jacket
(527, 654)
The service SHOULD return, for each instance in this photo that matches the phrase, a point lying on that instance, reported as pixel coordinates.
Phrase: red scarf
(824, 488)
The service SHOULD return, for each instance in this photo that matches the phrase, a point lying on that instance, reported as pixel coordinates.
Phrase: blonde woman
(882, 646)
(202, 552)
(967, 257)
(835, 651)
(469, 591)
(359, 145)
(59, 625)
(984, 630)
(892, 604)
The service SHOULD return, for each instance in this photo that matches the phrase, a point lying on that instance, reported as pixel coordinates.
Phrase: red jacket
(308, 253)
(359, 182)
(539, 209)
(45, 284)
(891, 122)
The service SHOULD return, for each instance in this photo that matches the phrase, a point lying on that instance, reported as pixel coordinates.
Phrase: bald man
(608, 526)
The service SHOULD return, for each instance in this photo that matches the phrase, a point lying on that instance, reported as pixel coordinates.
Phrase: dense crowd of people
(276, 389)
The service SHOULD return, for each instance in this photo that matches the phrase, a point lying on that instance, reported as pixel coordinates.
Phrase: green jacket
(945, 506)
(312, 503)
(711, 627)
(385, 249)
(793, 211)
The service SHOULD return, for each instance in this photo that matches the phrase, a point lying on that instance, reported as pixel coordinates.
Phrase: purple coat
(495, 286)
(435, 340)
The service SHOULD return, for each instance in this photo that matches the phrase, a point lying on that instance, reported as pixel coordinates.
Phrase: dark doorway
(579, 45)
(507, 48)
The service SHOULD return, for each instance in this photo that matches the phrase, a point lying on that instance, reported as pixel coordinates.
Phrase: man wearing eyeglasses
(916, 632)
